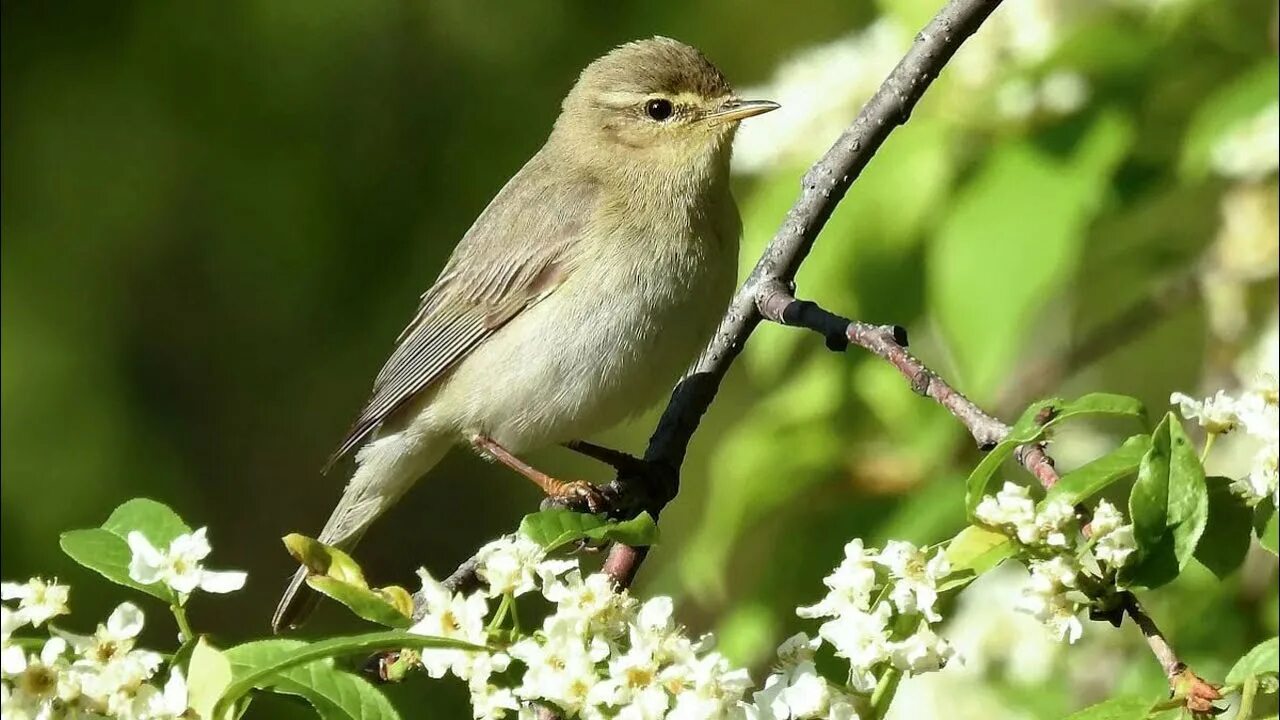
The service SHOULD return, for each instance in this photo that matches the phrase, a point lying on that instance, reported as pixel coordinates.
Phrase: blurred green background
(216, 218)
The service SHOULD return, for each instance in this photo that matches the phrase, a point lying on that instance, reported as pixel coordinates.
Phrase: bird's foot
(578, 495)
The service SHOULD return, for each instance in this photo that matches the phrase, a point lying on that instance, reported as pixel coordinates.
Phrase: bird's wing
(520, 250)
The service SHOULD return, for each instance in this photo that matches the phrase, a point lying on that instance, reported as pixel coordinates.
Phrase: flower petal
(222, 582)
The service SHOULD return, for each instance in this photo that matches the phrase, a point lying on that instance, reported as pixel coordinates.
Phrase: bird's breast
(609, 342)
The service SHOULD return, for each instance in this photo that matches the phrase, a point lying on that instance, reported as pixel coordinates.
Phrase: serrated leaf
(974, 551)
(1121, 708)
(1168, 506)
(107, 554)
(385, 607)
(1263, 658)
(310, 666)
(1092, 478)
(1227, 530)
(558, 527)
(208, 675)
(1267, 528)
(156, 521)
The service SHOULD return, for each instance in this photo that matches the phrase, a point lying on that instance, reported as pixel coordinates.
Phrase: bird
(578, 297)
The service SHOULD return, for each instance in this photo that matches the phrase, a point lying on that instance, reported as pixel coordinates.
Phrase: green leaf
(1035, 421)
(557, 527)
(1235, 101)
(335, 694)
(1227, 531)
(390, 606)
(310, 666)
(1265, 525)
(1100, 403)
(208, 675)
(154, 520)
(108, 555)
(1168, 506)
(1121, 708)
(987, 279)
(974, 551)
(980, 478)
(1262, 659)
(1093, 477)
(326, 560)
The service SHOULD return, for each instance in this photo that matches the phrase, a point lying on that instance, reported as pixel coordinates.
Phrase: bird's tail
(387, 468)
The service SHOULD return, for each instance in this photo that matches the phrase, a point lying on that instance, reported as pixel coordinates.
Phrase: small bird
(580, 294)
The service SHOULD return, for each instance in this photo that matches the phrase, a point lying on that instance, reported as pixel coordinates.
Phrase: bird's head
(653, 106)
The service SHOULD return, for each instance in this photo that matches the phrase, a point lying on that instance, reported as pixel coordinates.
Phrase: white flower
(509, 565)
(1045, 598)
(1215, 414)
(1263, 479)
(113, 639)
(1114, 540)
(593, 602)
(633, 685)
(38, 600)
(179, 566)
(41, 682)
(862, 638)
(712, 689)
(10, 620)
(561, 665)
(170, 704)
(921, 652)
(1053, 525)
(851, 584)
(1011, 507)
(453, 616)
(915, 577)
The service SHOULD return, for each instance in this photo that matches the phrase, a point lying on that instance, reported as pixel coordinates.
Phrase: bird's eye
(658, 109)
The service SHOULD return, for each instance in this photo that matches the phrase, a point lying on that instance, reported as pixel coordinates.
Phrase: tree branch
(824, 186)
(650, 484)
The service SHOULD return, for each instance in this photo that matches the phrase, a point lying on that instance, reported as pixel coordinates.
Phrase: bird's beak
(734, 110)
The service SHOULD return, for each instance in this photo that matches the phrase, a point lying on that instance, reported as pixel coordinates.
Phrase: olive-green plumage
(578, 296)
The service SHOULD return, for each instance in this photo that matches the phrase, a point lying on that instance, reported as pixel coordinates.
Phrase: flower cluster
(98, 675)
(600, 653)
(103, 674)
(878, 612)
(1049, 540)
(1254, 412)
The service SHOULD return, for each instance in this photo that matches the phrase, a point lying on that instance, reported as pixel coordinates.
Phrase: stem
(180, 616)
(882, 697)
(515, 618)
(1245, 710)
(1208, 445)
(500, 614)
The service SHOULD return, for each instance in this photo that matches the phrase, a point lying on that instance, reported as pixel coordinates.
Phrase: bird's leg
(622, 462)
(577, 490)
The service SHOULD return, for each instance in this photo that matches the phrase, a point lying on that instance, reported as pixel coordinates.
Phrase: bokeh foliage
(216, 217)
